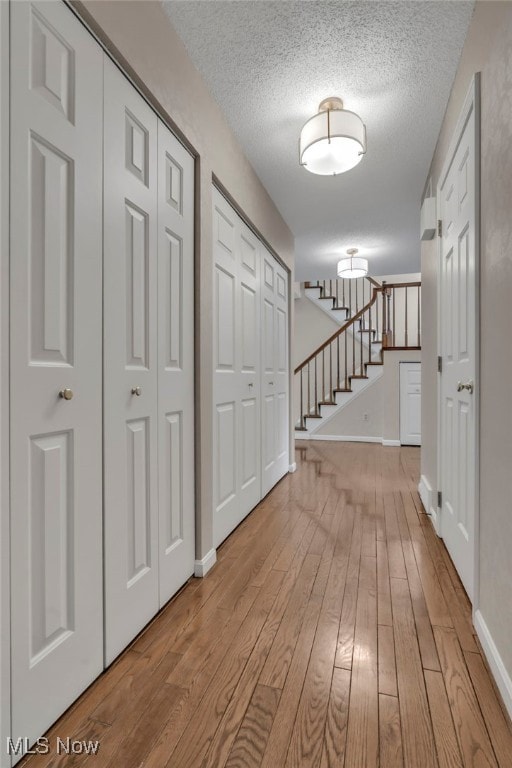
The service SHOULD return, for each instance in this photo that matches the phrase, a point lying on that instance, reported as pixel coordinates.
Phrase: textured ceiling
(268, 64)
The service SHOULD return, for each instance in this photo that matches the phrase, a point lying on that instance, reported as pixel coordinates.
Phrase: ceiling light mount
(332, 102)
(332, 141)
(352, 267)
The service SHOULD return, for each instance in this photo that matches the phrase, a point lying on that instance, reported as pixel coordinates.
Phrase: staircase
(373, 318)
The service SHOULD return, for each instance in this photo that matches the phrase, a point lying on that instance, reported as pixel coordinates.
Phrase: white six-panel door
(250, 378)
(456, 197)
(130, 362)
(236, 383)
(410, 403)
(175, 363)
(274, 356)
(56, 315)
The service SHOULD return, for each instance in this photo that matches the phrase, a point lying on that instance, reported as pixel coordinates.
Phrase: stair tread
(358, 376)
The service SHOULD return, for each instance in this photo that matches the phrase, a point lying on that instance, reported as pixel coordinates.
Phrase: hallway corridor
(333, 631)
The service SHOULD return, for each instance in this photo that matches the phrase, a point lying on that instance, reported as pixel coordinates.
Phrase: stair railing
(390, 319)
(351, 295)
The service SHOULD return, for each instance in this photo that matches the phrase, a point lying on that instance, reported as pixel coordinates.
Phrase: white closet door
(175, 363)
(56, 468)
(236, 428)
(130, 362)
(275, 416)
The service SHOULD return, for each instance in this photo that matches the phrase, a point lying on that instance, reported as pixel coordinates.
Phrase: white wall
(141, 37)
(380, 402)
(311, 327)
(488, 49)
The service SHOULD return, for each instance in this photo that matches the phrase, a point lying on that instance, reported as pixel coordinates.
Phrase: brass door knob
(469, 386)
(137, 391)
(66, 393)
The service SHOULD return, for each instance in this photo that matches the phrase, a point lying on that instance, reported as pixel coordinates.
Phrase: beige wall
(488, 49)
(311, 327)
(380, 402)
(143, 40)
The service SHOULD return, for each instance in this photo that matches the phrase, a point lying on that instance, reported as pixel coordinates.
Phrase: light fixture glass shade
(352, 267)
(333, 141)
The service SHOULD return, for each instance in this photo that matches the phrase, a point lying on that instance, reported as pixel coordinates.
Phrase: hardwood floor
(333, 631)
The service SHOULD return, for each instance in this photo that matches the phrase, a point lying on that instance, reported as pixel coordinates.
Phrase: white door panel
(410, 403)
(175, 363)
(275, 438)
(457, 200)
(236, 428)
(56, 451)
(130, 362)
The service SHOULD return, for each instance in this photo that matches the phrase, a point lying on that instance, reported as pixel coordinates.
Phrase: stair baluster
(393, 301)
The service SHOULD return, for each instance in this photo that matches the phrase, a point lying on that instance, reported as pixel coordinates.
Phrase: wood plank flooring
(333, 631)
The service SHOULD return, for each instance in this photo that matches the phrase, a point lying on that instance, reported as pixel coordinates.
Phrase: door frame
(471, 105)
(5, 608)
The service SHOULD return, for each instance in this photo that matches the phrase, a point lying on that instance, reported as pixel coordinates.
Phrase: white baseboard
(350, 439)
(429, 500)
(345, 438)
(498, 669)
(425, 492)
(293, 467)
(201, 567)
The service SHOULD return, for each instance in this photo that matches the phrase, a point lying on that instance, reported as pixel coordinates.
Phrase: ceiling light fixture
(333, 141)
(354, 266)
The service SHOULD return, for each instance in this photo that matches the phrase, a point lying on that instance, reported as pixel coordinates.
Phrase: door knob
(137, 391)
(469, 386)
(250, 385)
(66, 393)
(271, 383)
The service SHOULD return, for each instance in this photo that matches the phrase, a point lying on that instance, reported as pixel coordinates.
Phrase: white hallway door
(410, 403)
(250, 378)
(148, 363)
(275, 416)
(130, 362)
(56, 446)
(236, 378)
(175, 403)
(458, 467)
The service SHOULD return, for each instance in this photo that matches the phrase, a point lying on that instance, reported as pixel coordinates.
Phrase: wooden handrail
(403, 285)
(343, 328)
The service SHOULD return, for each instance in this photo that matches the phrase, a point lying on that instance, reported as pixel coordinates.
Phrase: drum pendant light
(354, 266)
(333, 141)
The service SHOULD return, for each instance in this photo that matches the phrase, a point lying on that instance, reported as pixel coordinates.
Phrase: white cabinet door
(458, 466)
(130, 362)
(236, 377)
(410, 403)
(56, 447)
(274, 337)
(175, 363)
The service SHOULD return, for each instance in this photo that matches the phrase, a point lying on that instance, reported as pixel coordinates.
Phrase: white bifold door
(274, 356)
(148, 361)
(56, 368)
(250, 377)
